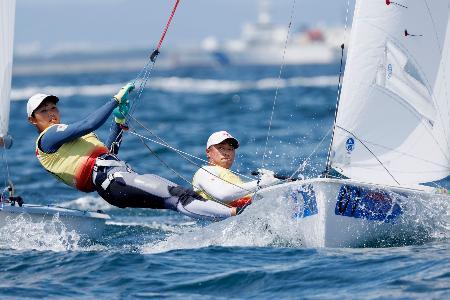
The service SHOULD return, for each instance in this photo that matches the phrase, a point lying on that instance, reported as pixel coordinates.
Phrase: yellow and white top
(73, 162)
(215, 182)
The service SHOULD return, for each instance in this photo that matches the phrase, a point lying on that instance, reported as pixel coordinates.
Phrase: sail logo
(389, 71)
(350, 144)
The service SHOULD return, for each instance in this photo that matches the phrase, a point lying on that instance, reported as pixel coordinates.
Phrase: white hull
(87, 224)
(346, 213)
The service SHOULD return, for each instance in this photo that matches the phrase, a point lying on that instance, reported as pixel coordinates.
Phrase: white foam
(264, 223)
(20, 233)
(269, 223)
(178, 85)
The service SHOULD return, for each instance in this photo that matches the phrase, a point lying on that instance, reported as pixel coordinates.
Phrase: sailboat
(85, 223)
(391, 133)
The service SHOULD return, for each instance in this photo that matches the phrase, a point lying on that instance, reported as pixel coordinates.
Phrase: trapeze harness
(74, 155)
(215, 182)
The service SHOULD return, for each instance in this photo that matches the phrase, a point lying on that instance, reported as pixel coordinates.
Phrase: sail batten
(393, 122)
(7, 16)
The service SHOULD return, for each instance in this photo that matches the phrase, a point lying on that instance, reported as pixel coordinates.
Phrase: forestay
(7, 13)
(392, 125)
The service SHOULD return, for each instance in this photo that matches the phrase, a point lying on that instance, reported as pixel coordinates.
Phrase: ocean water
(161, 254)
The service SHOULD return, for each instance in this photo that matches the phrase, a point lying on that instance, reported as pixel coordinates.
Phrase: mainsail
(7, 13)
(393, 120)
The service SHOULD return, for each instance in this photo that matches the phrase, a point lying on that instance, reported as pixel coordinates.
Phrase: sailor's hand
(120, 112)
(122, 95)
(267, 178)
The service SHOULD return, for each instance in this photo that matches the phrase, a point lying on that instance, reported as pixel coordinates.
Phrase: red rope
(167, 25)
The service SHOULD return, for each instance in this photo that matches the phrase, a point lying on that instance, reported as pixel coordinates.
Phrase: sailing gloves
(121, 111)
(266, 178)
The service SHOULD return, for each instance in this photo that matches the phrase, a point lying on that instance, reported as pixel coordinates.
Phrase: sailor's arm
(221, 190)
(120, 114)
(227, 192)
(59, 134)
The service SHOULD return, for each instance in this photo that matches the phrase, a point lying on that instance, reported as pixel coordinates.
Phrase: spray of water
(23, 233)
(263, 224)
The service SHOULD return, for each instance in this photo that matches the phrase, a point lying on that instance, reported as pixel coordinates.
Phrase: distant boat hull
(346, 213)
(89, 225)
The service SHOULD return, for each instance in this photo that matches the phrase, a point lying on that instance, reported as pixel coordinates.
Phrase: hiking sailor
(75, 156)
(216, 181)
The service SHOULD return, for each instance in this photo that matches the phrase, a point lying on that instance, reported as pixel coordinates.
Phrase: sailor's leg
(129, 189)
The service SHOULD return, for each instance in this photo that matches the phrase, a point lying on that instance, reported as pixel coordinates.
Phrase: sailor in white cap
(75, 156)
(216, 181)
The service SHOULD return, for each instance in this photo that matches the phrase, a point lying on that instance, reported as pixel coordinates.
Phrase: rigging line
(142, 71)
(135, 100)
(143, 83)
(278, 83)
(370, 151)
(183, 154)
(152, 59)
(167, 25)
(178, 174)
(303, 165)
(339, 90)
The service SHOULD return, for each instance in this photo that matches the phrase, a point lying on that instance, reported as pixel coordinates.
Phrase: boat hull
(346, 213)
(89, 225)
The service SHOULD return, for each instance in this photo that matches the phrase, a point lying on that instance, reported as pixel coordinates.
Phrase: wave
(270, 224)
(180, 85)
(264, 224)
(24, 234)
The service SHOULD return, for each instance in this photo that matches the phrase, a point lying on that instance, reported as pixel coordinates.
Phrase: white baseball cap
(220, 136)
(36, 100)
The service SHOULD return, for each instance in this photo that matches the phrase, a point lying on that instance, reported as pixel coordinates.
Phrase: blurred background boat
(264, 43)
(261, 43)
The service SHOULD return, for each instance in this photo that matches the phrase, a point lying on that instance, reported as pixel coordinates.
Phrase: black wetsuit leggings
(122, 187)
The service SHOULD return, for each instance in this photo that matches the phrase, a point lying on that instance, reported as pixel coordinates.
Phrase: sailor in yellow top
(75, 156)
(216, 181)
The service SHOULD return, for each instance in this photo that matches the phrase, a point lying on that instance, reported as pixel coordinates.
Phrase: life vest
(74, 161)
(227, 176)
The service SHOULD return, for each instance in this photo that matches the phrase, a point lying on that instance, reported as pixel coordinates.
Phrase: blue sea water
(161, 254)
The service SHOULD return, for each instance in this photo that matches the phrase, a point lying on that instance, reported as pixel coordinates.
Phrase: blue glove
(121, 111)
(122, 95)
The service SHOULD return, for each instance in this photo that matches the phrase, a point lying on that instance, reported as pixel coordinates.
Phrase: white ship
(264, 43)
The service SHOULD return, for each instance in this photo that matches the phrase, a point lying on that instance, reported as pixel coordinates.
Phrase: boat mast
(328, 165)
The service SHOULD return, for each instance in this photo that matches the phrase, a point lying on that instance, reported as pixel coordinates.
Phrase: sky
(43, 25)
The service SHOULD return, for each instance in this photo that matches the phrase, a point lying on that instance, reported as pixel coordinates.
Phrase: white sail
(7, 13)
(393, 121)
